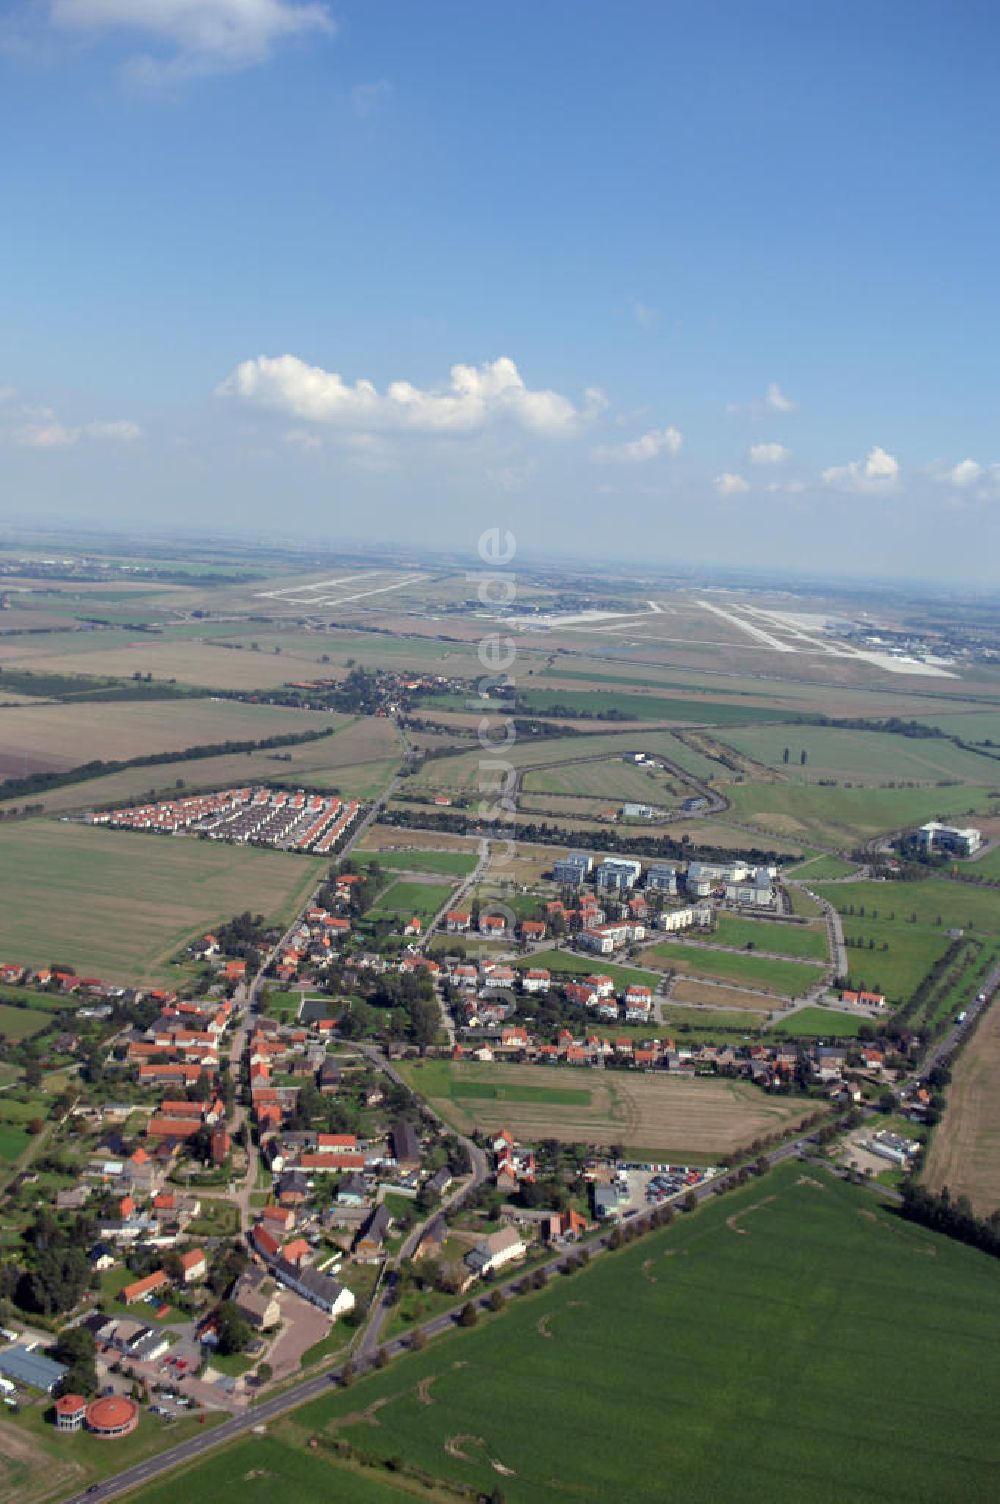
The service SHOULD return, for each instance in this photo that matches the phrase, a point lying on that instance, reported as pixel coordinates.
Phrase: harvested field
(708, 996)
(54, 738)
(349, 761)
(678, 1116)
(964, 1152)
(393, 838)
(118, 905)
(201, 664)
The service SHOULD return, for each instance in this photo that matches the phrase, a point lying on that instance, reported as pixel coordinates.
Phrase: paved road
(959, 1032)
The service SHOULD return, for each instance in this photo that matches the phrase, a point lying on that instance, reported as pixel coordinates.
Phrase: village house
(370, 1243)
(256, 1298)
(193, 1265)
(495, 1251)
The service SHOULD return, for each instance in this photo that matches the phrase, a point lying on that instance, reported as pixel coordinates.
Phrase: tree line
(37, 783)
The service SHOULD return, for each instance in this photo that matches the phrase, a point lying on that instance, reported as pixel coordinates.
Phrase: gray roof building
(26, 1366)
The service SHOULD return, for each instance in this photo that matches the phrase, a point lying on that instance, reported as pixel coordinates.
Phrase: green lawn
(401, 900)
(21, 1023)
(987, 865)
(571, 963)
(13, 1142)
(217, 1219)
(448, 863)
(806, 942)
(438, 1078)
(727, 1317)
(786, 978)
(817, 1023)
(118, 905)
(802, 904)
(283, 1005)
(818, 867)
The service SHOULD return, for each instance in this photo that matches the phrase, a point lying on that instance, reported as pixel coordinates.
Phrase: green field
(448, 863)
(816, 868)
(807, 942)
(650, 707)
(572, 964)
(846, 817)
(401, 900)
(913, 946)
(610, 779)
(868, 756)
(970, 726)
(438, 1078)
(817, 1023)
(21, 1023)
(727, 1317)
(118, 905)
(13, 1142)
(988, 865)
(464, 772)
(785, 978)
(262, 1468)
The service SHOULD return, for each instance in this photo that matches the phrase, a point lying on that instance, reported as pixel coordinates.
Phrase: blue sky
(720, 276)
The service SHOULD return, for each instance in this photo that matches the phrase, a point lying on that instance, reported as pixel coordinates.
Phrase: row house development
(291, 820)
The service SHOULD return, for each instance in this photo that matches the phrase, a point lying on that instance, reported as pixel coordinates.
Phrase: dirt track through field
(964, 1150)
(29, 1475)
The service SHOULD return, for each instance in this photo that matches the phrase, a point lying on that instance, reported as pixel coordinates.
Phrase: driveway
(302, 1326)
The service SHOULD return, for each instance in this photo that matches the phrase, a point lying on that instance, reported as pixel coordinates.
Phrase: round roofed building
(112, 1415)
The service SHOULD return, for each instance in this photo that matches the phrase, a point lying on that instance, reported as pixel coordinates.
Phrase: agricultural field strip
(701, 1117)
(64, 736)
(870, 756)
(119, 906)
(964, 1152)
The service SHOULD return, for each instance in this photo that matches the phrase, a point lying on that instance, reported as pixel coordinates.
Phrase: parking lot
(650, 1185)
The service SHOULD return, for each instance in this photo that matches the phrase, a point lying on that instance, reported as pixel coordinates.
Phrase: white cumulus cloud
(474, 397)
(636, 451)
(768, 454)
(965, 473)
(33, 427)
(200, 36)
(878, 471)
(728, 484)
(774, 400)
